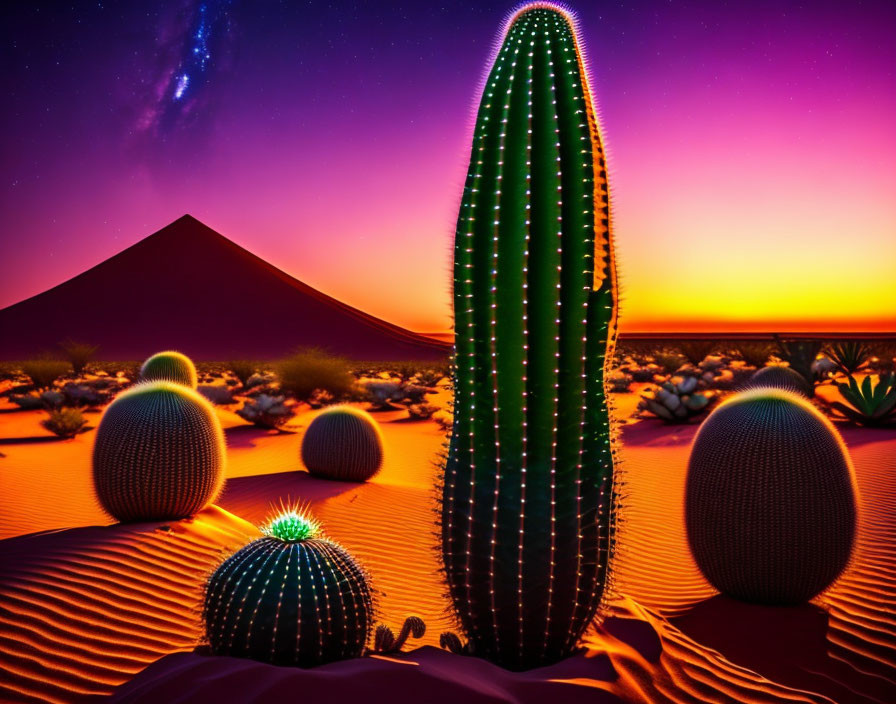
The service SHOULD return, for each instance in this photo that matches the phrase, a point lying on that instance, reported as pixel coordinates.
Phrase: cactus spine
(169, 366)
(770, 499)
(342, 443)
(528, 484)
(159, 453)
(289, 598)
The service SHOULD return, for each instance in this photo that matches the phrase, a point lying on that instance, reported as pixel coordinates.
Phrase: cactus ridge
(528, 481)
(343, 443)
(158, 454)
(770, 499)
(776, 376)
(170, 366)
(300, 602)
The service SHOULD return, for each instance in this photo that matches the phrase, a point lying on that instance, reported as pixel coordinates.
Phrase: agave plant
(849, 356)
(676, 400)
(869, 403)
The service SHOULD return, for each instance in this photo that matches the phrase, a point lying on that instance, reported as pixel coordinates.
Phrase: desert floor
(85, 605)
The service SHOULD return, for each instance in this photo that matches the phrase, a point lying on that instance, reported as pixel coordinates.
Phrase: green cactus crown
(292, 526)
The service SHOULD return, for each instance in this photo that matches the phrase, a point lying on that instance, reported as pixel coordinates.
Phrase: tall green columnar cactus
(527, 493)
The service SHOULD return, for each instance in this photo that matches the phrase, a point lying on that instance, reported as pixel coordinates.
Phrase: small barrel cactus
(777, 376)
(770, 499)
(169, 366)
(343, 443)
(159, 453)
(289, 598)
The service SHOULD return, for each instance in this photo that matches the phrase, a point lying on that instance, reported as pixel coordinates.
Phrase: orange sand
(83, 608)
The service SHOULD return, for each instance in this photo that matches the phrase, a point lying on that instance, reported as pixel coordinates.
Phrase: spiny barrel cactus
(159, 453)
(527, 489)
(289, 598)
(770, 501)
(343, 443)
(169, 366)
(776, 376)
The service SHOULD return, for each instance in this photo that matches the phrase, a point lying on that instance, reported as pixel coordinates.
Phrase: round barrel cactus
(343, 443)
(289, 598)
(169, 366)
(778, 377)
(770, 499)
(159, 453)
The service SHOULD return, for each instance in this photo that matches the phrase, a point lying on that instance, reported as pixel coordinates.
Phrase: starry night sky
(752, 147)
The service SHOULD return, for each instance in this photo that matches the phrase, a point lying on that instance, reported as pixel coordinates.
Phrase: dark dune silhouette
(188, 288)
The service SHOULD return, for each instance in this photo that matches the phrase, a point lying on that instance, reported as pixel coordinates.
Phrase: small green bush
(313, 370)
(44, 372)
(79, 354)
(65, 422)
(242, 369)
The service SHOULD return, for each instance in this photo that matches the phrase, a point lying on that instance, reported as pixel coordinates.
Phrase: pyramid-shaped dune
(189, 288)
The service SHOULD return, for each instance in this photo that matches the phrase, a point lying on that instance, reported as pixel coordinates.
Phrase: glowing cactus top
(292, 526)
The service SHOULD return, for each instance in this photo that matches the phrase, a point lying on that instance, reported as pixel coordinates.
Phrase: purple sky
(752, 147)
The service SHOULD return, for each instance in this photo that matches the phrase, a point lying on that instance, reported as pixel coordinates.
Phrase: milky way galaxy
(191, 46)
(748, 142)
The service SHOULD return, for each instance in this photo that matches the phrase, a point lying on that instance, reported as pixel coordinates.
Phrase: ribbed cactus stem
(289, 598)
(770, 500)
(343, 443)
(528, 483)
(159, 453)
(170, 366)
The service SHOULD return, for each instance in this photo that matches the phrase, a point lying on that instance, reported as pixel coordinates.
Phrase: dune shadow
(252, 498)
(856, 435)
(32, 440)
(245, 436)
(788, 645)
(654, 433)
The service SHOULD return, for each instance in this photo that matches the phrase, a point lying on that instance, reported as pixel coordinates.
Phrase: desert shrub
(79, 354)
(696, 350)
(311, 370)
(755, 352)
(44, 372)
(429, 377)
(80, 395)
(413, 394)
(421, 411)
(65, 422)
(27, 402)
(219, 395)
(382, 394)
(619, 382)
(670, 362)
(243, 369)
(266, 411)
(406, 370)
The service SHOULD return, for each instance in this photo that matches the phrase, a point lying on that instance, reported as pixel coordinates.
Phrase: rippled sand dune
(85, 606)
